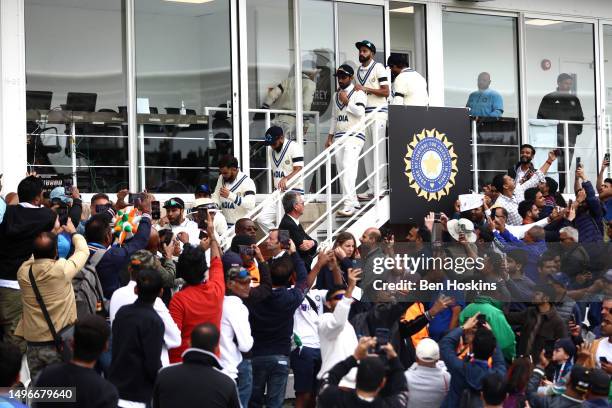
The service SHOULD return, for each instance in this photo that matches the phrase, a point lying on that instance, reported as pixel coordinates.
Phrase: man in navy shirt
(272, 326)
(485, 102)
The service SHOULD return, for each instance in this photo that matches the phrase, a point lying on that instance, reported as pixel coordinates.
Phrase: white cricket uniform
(374, 76)
(241, 198)
(282, 163)
(410, 88)
(282, 96)
(345, 118)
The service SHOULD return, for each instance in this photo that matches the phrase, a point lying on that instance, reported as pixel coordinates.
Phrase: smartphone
(283, 239)
(602, 360)
(558, 152)
(155, 210)
(382, 339)
(202, 218)
(203, 234)
(68, 188)
(62, 213)
(167, 236)
(607, 157)
(246, 250)
(437, 217)
(578, 162)
(100, 208)
(481, 320)
(571, 321)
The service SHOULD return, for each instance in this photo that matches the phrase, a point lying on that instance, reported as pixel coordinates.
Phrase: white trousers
(347, 159)
(373, 132)
(267, 219)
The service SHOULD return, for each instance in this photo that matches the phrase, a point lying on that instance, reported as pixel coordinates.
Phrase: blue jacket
(487, 103)
(117, 257)
(465, 373)
(272, 318)
(589, 223)
(534, 251)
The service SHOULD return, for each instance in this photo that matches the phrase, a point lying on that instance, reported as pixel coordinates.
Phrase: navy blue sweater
(272, 319)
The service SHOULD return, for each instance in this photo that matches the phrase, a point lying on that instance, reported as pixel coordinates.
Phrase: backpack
(88, 289)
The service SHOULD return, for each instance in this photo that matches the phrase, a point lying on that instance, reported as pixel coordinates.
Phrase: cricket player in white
(235, 191)
(409, 87)
(372, 78)
(286, 158)
(349, 111)
(282, 97)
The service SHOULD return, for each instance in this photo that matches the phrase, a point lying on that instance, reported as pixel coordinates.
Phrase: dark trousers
(269, 381)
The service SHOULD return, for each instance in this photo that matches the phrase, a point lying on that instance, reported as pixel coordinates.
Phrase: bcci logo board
(431, 164)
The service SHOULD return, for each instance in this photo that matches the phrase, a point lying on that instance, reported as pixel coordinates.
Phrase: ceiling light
(190, 1)
(539, 22)
(409, 10)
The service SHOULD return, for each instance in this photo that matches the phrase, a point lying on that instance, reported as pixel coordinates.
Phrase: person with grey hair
(293, 204)
(574, 258)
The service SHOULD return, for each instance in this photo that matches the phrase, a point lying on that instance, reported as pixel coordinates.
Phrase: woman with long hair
(516, 381)
(345, 254)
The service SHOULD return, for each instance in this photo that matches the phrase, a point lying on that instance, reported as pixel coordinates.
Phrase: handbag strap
(44, 310)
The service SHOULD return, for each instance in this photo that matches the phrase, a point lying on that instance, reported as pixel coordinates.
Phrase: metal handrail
(323, 158)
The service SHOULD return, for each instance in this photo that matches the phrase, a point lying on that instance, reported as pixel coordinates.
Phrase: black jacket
(298, 235)
(197, 381)
(17, 232)
(562, 106)
(394, 394)
(138, 336)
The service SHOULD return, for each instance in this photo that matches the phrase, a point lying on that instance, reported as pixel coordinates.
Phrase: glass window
(358, 22)
(75, 84)
(607, 52)
(271, 76)
(484, 78)
(561, 86)
(318, 83)
(183, 86)
(407, 27)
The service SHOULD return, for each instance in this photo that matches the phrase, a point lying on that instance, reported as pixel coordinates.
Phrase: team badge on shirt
(431, 164)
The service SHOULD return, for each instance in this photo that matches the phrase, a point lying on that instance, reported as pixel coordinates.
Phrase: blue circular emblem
(431, 164)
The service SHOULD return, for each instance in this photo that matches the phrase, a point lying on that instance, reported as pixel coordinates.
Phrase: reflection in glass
(74, 87)
(317, 46)
(181, 71)
(495, 56)
(358, 22)
(561, 83)
(271, 76)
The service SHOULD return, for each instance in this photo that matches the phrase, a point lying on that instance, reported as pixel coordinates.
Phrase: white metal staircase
(373, 213)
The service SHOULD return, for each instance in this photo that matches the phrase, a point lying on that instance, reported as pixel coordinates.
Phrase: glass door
(606, 50)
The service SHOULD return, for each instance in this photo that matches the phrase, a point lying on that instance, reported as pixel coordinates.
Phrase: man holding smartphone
(210, 207)
(176, 221)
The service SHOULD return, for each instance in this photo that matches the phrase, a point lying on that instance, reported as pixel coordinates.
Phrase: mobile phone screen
(202, 218)
(155, 210)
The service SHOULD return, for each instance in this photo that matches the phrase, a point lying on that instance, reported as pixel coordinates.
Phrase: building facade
(150, 93)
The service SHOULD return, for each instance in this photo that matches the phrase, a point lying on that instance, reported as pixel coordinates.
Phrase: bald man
(485, 102)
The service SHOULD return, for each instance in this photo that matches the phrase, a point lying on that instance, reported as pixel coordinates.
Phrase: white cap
(208, 203)
(427, 350)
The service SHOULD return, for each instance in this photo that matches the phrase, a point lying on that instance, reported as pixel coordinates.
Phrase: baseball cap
(236, 272)
(59, 193)
(428, 350)
(272, 135)
(567, 345)
(344, 69)
(230, 260)
(580, 378)
(174, 202)
(599, 381)
(366, 43)
(202, 188)
(143, 259)
(560, 278)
